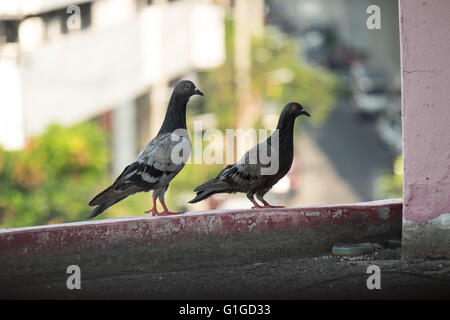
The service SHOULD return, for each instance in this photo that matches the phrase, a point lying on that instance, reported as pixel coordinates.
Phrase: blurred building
(67, 61)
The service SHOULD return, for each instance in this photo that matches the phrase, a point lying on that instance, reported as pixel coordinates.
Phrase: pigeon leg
(266, 204)
(154, 210)
(166, 211)
(255, 204)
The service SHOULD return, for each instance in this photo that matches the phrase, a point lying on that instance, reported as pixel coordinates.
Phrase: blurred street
(353, 147)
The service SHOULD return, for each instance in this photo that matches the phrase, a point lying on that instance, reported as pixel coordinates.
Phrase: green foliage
(279, 75)
(390, 185)
(51, 180)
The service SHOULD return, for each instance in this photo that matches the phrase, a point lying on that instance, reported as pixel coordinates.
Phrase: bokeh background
(84, 86)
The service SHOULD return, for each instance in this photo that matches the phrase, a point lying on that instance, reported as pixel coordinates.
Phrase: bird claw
(154, 212)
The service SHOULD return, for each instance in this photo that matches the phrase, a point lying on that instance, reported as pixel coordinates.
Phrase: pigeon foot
(153, 211)
(166, 211)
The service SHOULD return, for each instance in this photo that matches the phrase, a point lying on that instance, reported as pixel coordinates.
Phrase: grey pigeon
(252, 174)
(155, 166)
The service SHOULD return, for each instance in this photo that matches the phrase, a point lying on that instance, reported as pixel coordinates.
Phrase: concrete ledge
(111, 247)
(429, 239)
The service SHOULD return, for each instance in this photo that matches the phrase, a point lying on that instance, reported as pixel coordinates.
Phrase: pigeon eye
(187, 85)
(294, 107)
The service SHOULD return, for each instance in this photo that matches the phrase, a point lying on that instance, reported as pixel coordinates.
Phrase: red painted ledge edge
(79, 237)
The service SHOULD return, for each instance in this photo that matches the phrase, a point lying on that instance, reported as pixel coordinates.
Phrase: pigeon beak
(305, 113)
(198, 92)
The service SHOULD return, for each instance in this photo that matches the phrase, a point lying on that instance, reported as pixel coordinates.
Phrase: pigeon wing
(245, 175)
(154, 165)
(164, 157)
(256, 164)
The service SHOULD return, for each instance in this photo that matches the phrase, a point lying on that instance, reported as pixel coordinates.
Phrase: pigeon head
(288, 115)
(186, 88)
(295, 109)
(176, 111)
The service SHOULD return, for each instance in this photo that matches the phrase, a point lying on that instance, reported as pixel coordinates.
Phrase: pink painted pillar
(425, 55)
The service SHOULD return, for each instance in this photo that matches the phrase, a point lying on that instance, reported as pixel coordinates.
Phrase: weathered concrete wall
(425, 46)
(114, 247)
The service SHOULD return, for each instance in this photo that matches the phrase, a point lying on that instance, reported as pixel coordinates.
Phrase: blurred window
(9, 31)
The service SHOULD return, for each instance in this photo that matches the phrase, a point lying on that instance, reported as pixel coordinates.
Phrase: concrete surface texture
(425, 46)
(240, 254)
(37, 257)
(320, 277)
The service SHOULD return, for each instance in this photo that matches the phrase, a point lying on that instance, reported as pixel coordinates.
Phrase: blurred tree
(390, 184)
(52, 179)
(280, 76)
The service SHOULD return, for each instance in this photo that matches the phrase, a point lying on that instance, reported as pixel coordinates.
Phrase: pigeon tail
(209, 188)
(202, 195)
(102, 207)
(109, 197)
(101, 197)
(116, 191)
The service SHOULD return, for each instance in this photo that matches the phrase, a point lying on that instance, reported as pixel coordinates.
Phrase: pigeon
(155, 166)
(253, 174)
